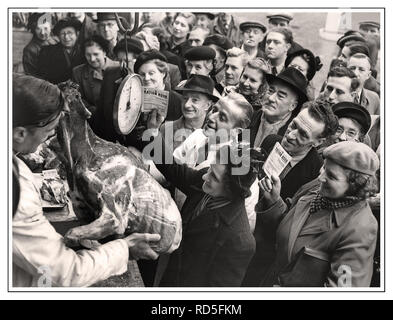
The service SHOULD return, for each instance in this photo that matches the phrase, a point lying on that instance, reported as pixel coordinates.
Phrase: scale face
(128, 104)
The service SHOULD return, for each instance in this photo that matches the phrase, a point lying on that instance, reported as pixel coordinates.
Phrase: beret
(283, 15)
(220, 41)
(147, 56)
(200, 53)
(133, 45)
(353, 111)
(67, 22)
(352, 155)
(370, 23)
(251, 24)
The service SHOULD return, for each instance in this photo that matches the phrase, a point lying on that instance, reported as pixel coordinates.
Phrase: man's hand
(271, 189)
(140, 245)
(154, 120)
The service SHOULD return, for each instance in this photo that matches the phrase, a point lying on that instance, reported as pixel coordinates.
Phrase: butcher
(40, 256)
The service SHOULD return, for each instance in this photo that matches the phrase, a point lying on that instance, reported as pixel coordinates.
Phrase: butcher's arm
(37, 246)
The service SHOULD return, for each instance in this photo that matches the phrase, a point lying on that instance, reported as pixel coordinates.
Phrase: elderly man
(220, 45)
(56, 62)
(360, 64)
(284, 99)
(278, 42)
(312, 126)
(108, 29)
(341, 85)
(252, 33)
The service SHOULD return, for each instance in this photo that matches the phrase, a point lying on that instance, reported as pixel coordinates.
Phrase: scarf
(320, 203)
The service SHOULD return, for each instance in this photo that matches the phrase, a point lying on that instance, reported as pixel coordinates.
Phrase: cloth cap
(352, 155)
(200, 53)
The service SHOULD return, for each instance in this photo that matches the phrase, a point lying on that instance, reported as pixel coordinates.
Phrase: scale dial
(128, 104)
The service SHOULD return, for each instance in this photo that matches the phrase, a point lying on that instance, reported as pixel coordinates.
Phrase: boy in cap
(56, 62)
(253, 34)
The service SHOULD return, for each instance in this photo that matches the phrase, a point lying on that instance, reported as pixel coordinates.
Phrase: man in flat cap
(252, 35)
(56, 62)
(220, 45)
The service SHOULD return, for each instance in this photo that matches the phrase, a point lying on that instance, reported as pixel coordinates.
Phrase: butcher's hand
(271, 189)
(140, 245)
(154, 120)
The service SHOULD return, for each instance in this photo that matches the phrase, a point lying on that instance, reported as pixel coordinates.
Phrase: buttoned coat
(217, 245)
(348, 242)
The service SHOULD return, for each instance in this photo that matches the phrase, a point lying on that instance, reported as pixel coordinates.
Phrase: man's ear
(19, 135)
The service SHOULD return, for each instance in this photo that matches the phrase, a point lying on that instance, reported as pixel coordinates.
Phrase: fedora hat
(293, 78)
(200, 84)
(313, 62)
(65, 23)
(353, 111)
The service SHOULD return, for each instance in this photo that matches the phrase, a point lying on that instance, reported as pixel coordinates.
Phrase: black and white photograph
(196, 149)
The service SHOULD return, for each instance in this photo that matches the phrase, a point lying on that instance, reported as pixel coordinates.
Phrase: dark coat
(303, 172)
(53, 66)
(217, 245)
(102, 121)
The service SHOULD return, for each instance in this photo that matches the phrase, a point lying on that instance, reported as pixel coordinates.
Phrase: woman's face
(180, 28)
(214, 181)
(334, 180)
(95, 57)
(42, 31)
(152, 77)
(300, 64)
(250, 81)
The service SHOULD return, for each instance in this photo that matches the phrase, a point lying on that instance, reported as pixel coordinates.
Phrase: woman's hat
(314, 62)
(65, 23)
(353, 111)
(356, 156)
(147, 56)
(295, 79)
(201, 84)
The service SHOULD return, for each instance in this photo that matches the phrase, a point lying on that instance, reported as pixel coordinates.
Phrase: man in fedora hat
(56, 62)
(252, 34)
(284, 98)
(108, 29)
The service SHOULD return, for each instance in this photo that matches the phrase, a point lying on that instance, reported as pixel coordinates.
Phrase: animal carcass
(111, 192)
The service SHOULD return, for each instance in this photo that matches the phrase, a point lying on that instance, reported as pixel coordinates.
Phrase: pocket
(309, 269)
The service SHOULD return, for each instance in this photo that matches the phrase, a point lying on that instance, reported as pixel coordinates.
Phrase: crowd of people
(316, 224)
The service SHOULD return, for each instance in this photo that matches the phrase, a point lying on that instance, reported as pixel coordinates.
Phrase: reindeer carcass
(110, 190)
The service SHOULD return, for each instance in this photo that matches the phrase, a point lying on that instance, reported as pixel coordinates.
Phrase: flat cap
(370, 23)
(252, 24)
(219, 40)
(352, 155)
(283, 15)
(353, 111)
(200, 53)
(146, 56)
